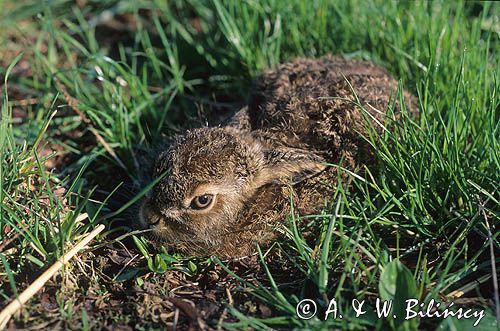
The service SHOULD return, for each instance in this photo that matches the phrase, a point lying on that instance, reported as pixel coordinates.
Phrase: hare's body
(228, 185)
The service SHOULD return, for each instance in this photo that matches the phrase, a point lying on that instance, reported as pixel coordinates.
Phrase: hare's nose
(149, 215)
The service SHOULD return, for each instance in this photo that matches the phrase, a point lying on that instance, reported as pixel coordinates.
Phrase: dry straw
(16, 304)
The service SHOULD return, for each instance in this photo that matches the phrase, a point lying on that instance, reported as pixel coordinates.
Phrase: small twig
(222, 318)
(229, 297)
(7, 242)
(24, 102)
(125, 266)
(107, 147)
(16, 304)
(125, 248)
(72, 102)
(176, 289)
(176, 319)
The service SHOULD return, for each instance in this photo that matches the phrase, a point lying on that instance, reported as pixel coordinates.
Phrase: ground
(91, 87)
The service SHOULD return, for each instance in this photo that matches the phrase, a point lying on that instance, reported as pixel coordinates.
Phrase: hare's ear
(289, 166)
(240, 120)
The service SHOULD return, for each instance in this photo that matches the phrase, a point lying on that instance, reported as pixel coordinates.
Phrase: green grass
(414, 227)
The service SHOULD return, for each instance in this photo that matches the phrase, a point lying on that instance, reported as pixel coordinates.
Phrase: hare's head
(212, 176)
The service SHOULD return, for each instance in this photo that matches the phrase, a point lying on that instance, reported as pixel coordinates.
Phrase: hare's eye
(202, 201)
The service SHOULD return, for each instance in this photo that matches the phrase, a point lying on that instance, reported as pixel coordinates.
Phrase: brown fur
(301, 116)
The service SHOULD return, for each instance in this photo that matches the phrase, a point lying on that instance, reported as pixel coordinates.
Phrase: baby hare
(227, 186)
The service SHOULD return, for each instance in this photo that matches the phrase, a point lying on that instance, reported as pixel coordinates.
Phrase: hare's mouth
(147, 217)
(154, 219)
(176, 238)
